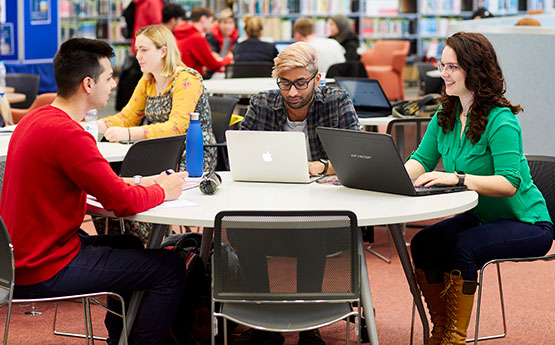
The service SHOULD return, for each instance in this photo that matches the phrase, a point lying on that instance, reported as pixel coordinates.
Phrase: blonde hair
(527, 21)
(297, 55)
(253, 26)
(161, 36)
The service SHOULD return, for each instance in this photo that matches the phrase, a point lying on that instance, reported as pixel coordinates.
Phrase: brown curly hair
(484, 78)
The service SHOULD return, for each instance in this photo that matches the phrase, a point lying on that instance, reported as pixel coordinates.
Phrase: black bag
(425, 106)
(129, 15)
(128, 78)
(194, 327)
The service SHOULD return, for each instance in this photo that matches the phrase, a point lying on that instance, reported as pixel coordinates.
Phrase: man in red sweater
(51, 166)
(191, 41)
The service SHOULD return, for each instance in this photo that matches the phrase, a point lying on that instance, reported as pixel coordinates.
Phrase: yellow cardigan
(186, 92)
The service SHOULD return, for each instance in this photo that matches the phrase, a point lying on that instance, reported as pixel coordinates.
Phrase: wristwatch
(326, 165)
(137, 179)
(461, 177)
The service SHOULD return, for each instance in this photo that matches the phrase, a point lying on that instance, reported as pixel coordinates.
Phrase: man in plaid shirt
(300, 105)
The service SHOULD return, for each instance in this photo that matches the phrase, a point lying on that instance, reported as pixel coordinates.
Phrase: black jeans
(462, 243)
(120, 264)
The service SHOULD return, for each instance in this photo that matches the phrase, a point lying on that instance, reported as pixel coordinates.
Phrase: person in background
(222, 31)
(341, 30)
(192, 43)
(528, 21)
(478, 136)
(163, 100)
(329, 50)
(147, 12)
(172, 15)
(52, 256)
(482, 13)
(299, 105)
(253, 49)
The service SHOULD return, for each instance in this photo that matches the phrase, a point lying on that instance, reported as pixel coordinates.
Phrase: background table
(371, 208)
(14, 97)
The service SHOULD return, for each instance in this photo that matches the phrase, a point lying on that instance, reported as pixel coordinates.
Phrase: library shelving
(423, 22)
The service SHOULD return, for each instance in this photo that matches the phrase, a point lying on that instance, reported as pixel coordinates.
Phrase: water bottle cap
(195, 116)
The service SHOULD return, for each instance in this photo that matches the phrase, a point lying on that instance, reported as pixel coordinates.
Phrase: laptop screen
(281, 45)
(365, 92)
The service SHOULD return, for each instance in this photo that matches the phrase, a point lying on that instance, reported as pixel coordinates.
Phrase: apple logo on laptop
(267, 156)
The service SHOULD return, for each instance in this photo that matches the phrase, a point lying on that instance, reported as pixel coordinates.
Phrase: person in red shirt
(191, 41)
(147, 12)
(51, 166)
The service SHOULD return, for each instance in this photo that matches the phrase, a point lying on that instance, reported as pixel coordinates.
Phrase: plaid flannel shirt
(332, 107)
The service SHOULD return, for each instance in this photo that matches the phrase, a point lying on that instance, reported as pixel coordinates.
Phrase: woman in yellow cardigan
(160, 105)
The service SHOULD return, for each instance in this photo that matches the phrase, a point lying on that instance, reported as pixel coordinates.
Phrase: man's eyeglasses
(300, 84)
(449, 67)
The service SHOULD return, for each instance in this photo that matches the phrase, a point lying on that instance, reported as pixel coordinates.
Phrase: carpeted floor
(530, 305)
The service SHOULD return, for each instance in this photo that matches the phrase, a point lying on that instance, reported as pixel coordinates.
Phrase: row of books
(303, 7)
(91, 8)
(381, 7)
(502, 6)
(440, 6)
(435, 26)
(385, 27)
(93, 29)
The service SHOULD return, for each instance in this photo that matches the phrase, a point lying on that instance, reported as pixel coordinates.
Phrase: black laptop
(367, 160)
(367, 95)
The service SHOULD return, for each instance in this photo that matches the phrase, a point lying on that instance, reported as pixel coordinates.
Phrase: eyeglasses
(300, 84)
(449, 67)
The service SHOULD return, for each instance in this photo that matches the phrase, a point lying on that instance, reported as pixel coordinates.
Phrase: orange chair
(385, 62)
(43, 99)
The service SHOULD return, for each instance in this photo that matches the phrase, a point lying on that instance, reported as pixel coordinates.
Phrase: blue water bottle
(194, 157)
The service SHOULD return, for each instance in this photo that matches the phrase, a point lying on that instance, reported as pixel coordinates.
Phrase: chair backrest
(42, 99)
(285, 255)
(407, 133)
(426, 83)
(382, 52)
(354, 69)
(542, 169)
(7, 267)
(27, 84)
(249, 69)
(152, 156)
(221, 109)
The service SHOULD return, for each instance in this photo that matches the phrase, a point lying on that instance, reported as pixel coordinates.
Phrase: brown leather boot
(459, 298)
(436, 306)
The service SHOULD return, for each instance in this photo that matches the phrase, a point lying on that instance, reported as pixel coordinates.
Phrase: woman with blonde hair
(253, 49)
(163, 99)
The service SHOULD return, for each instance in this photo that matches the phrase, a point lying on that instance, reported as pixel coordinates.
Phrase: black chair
(249, 69)
(221, 109)
(354, 69)
(7, 278)
(426, 83)
(265, 276)
(152, 156)
(542, 169)
(27, 84)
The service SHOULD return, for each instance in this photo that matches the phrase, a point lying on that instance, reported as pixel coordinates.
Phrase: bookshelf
(423, 22)
(96, 19)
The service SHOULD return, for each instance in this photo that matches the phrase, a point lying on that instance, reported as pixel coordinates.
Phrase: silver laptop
(367, 160)
(264, 156)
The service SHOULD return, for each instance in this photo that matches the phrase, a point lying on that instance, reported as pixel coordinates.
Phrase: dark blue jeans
(462, 243)
(120, 264)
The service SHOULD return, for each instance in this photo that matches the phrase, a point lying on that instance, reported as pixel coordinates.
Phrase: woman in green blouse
(478, 136)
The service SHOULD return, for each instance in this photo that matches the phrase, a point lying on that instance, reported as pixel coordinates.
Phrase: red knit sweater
(52, 164)
(195, 50)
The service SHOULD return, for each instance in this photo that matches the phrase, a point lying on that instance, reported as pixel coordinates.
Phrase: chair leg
(478, 305)
(7, 322)
(386, 259)
(66, 334)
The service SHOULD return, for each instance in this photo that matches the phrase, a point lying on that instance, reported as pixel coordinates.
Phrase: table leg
(366, 297)
(205, 245)
(399, 240)
(154, 242)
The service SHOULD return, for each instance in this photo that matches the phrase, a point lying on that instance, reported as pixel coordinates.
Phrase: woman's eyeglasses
(300, 84)
(449, 67)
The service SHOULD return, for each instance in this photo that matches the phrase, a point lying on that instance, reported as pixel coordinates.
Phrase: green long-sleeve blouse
(498, 152)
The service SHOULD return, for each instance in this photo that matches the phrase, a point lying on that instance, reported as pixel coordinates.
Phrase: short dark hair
(172, 10)
(76, 59)
(199, 11)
